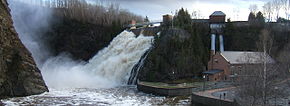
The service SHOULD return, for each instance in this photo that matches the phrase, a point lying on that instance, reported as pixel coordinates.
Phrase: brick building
(167, 20)
(228, 64)
(217, 17)
(217, 22)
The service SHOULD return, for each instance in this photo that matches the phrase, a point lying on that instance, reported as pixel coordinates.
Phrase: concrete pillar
(222, 43)
(213, 36)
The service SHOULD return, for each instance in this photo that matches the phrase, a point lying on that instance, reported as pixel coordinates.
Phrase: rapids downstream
(119, 96)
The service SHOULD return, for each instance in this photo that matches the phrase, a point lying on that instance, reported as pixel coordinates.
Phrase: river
(118, 96)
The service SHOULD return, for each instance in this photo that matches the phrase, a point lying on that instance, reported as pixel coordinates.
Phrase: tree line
(273, 8)
(90, 12)
(81, 27)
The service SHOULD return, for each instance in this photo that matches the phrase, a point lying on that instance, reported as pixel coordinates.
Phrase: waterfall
(117, 60)
(108, 68)
(135, 71)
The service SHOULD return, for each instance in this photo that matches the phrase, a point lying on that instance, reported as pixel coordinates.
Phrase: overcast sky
(154, 9)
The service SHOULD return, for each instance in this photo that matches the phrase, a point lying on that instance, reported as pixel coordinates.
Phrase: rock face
(173, 57)
(19, 75)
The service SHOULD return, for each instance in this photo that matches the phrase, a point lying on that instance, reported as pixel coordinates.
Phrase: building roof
(218, 13)
(242, 57)
(211, 72)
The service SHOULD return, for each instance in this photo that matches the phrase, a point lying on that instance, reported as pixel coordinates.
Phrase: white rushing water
(110, 67)
(118, 96)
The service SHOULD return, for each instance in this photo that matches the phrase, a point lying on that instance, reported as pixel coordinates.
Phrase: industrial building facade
(228, 65)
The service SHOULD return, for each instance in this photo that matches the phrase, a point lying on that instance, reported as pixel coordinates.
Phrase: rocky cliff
(19, 75)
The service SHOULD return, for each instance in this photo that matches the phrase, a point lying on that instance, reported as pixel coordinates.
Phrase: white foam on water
(117, 60)
(121, 96)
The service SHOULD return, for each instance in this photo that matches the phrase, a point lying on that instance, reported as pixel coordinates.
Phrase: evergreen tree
(260, 17)
(182, 19)
(252, 17)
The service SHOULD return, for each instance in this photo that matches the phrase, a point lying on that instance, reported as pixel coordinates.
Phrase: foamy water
(110, 67)
(119, 96)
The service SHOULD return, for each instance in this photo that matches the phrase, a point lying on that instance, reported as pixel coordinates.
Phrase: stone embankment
(168, 90)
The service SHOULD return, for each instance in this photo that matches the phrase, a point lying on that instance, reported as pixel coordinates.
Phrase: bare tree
(268, 10)
(277, 4)
(96, 13)
(286, 8)
(260, 76)
(265, 42)
(196, 14)
(253, 8)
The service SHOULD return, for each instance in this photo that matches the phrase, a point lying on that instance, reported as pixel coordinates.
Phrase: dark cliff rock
(19, 75)
(173, 57)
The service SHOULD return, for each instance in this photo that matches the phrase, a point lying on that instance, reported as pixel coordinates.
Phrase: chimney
(213, 44)
(222, 43)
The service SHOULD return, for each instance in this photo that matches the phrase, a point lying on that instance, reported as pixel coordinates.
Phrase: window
(216, 60)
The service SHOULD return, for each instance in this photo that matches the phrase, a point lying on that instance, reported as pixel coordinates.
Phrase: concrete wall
(164, 91)
(148, 31)
(216, 77)
(217, 19)
(197, 100)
